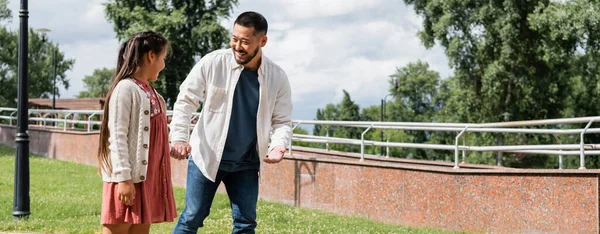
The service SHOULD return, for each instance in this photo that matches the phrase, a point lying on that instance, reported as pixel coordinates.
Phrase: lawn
(66, 198)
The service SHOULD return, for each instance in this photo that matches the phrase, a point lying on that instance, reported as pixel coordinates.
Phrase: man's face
(245, 43)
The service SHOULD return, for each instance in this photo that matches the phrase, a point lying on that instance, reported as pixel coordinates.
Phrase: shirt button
(142, 178)
(145, 146)
(146, 128)
(146, 112)
(145, 162)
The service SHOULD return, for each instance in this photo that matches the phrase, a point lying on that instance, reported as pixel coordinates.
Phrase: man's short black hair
(253, 19)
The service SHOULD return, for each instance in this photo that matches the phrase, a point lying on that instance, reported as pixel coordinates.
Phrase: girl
(134, 150)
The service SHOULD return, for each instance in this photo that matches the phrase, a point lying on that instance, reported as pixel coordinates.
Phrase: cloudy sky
(325, 46)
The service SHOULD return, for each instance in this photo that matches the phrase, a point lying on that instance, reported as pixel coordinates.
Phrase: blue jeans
(242, 189)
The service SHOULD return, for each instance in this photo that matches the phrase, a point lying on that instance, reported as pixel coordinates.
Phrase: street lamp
(21, 185)
(395, 78)
(54, 64)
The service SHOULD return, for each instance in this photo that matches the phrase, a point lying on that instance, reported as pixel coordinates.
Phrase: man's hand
(276, 155)
(126, 192)
(180, 150)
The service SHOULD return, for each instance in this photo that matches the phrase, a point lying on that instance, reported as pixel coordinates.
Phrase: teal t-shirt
(240, 147)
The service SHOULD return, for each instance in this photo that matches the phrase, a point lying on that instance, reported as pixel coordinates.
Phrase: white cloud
(306, 9)
(89, 55)
(94, 14)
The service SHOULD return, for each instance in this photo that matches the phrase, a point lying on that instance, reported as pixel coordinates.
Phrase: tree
(496, 52)
(417, 90)
(192, 27)
(41, 66)
(570, 33)
(330, 112)
(98, 83)
(5, 13)
(415, 100)
(346, 110)
(515, 57)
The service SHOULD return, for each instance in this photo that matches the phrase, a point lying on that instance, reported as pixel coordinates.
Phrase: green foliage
(346, 110)
(5, 13)
(415, 100)
(41, 64)
(192, 27)
(300, 130)
(98, 83)
(498, 55)
(528, 59)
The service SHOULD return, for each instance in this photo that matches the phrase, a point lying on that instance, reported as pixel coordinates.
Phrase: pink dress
(154, 201)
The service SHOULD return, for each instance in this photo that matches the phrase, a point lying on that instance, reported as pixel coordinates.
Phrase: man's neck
(254, 64)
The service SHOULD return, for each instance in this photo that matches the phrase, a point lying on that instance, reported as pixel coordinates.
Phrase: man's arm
(191, 91)
(281, 121)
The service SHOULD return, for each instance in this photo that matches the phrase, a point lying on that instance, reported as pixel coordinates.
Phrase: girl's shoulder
(126, 86)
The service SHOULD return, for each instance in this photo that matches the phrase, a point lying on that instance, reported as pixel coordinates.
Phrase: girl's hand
(126, 192)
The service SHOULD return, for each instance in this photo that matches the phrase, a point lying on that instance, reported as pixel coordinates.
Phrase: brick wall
(408, 192)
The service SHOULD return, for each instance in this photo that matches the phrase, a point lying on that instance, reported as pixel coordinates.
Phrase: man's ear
(263, 41)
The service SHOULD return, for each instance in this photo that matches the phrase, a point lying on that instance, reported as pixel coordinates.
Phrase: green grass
(66, 198)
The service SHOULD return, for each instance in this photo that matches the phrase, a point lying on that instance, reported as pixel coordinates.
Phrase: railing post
(37, 115)
(11, 117)
(89, 127)
(560, 161)
(43, 121)
(73, 123)
(463, 152)
(65, 121)
(581, 150)
(292, 138)
(387, 148)
(560, 156)
(327, 142)
(456, 147)
(362, 143)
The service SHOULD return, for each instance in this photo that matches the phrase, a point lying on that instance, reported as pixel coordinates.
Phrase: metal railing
(65, 117)
(580, 149)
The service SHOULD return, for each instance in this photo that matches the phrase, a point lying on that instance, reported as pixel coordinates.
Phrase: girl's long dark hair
(130, 58)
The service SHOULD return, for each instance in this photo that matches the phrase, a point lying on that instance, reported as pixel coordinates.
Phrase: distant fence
(89, 120)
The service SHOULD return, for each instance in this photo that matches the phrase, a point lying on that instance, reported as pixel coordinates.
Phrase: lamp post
(383, 102)
(54, 64)
(21, 185)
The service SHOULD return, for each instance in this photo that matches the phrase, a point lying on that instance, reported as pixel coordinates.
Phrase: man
(245, 96)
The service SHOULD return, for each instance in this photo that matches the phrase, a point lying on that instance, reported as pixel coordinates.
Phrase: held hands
(180, 150)
(276, 155)
(126, 192)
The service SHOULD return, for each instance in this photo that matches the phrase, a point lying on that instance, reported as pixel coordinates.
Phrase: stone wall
(407, 192)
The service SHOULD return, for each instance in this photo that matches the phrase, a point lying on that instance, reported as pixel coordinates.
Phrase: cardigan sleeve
(119, 113)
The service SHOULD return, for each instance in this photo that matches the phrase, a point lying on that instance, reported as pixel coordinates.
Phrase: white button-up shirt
(213, 79)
